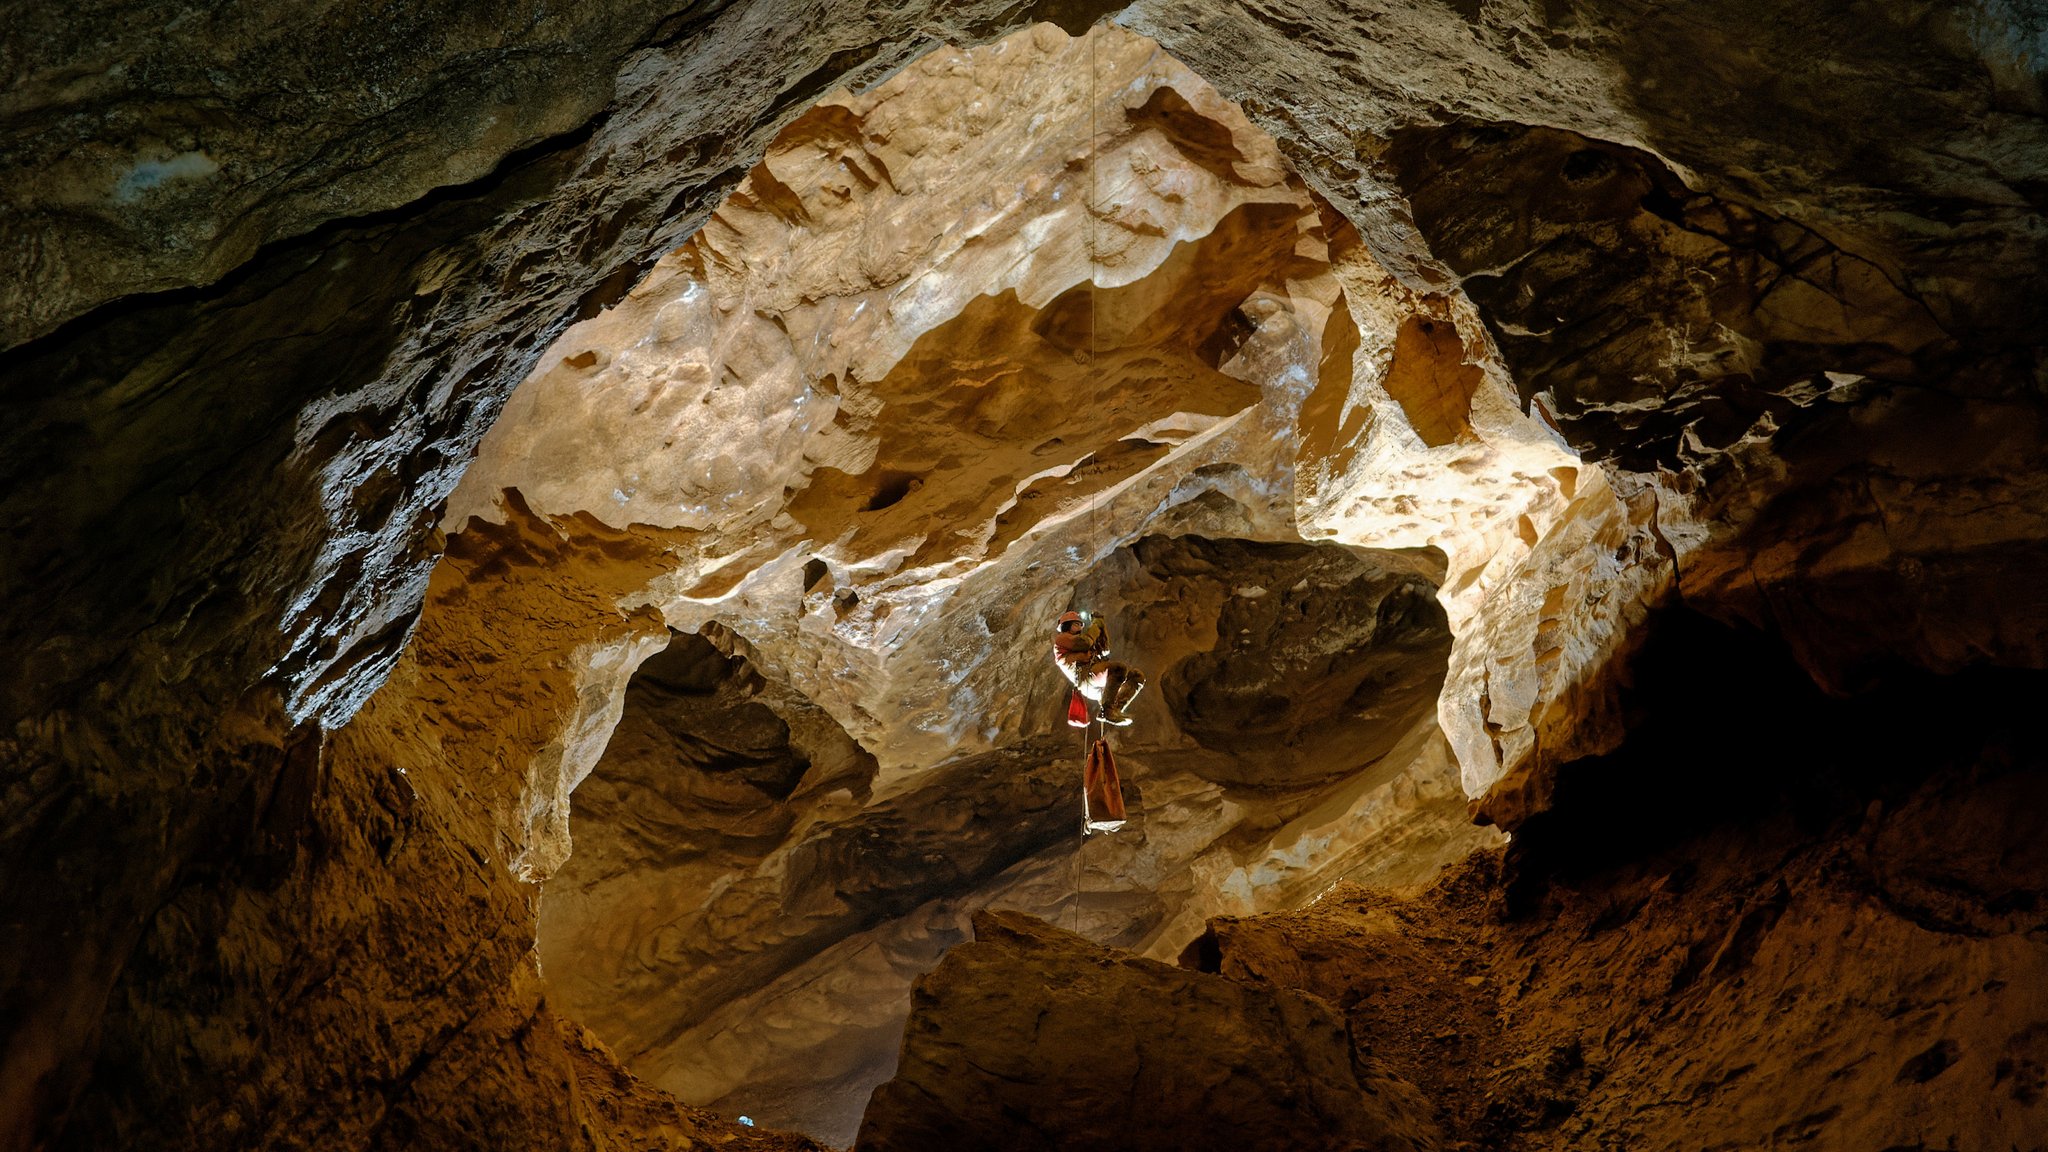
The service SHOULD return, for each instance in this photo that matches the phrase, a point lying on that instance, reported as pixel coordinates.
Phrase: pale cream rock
(873, 421)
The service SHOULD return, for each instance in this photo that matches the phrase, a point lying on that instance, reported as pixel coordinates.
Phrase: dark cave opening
(1778, 752)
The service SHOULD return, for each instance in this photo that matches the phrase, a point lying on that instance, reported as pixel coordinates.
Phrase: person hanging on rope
(1080, 647)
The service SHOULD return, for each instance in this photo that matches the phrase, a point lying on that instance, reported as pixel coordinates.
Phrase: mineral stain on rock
(149, 174)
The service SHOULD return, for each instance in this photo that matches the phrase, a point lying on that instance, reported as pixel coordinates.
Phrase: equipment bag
(1102, 792)
(1077, 710)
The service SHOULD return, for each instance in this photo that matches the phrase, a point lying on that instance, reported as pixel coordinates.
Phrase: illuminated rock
(1611, 306)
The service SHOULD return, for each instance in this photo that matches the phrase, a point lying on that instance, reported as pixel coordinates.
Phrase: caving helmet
(1071, 618)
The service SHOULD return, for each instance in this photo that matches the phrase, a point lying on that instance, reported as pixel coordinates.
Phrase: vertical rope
(1094, 303)
(1094, 512)
(1100, 728)
(1074, 886)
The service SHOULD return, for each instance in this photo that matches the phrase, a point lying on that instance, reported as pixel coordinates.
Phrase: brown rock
(1032, 1038)
(1859, 967)
(882, 420)
(275, 270)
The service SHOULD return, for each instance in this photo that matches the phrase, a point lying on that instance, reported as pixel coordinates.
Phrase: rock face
(1607, 304)
(173, 169)
(1809, 955)
(742, 919)
(940, 413)
(1136, 317)
(1030, 1038)
(1313, 653)
(302, 922)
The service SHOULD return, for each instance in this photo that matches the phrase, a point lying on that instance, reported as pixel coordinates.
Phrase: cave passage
(857, 509)
(530, 549)
(742, 922)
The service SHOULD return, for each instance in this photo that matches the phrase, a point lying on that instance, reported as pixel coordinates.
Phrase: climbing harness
(1079, 652)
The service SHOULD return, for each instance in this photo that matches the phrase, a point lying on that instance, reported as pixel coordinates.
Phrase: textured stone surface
(223, 475)
(349, 961)
(1803, 209)
(751, 944)
(1842, 971)
(214, 489)
(931, 434)
(1802, 950)
(1031, 1038)
(1879, 549)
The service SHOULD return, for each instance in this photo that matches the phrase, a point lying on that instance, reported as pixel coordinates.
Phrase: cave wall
(227, 444)
(352, 962)
(886, 423)
(742, 925)
(1801, 950)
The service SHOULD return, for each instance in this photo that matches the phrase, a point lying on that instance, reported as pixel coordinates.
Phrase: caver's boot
(1115, 711)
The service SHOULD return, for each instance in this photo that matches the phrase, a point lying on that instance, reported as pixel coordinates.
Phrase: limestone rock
(167, 128)
(351, 951)
(631, 1117)
(1878, 551)
(1314, 650)
(880, 424)
(1030, 1038)
(720, 934)
(885, 358)
(1806, 949)
(277, 269)
(1813, 953)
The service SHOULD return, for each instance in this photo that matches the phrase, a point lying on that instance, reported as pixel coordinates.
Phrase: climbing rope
(1095, 753)
(1099, 728)
(1074, 884)
(1094, 308)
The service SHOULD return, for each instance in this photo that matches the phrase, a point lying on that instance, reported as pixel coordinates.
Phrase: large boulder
(1033, 1038)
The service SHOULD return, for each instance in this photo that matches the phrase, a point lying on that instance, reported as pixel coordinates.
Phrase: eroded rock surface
(751, 943)
(1031, 1038)
(877, 426)
(1720, 998)
(278, 271)
(1806, 952)
(328, 1015)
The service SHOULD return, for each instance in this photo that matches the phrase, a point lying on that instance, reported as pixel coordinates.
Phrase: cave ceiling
(422, 422)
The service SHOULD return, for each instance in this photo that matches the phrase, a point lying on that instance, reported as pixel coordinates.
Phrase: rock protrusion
(1032, 1038)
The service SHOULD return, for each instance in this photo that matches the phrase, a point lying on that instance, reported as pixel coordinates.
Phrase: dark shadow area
(728, 836)
(703, 702)
(1312, 660)
(1705, 314)
(1726, 731)
(706, 756)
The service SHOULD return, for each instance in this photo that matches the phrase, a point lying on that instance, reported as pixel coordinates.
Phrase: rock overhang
(908, 334)
(492, 281)
(889, 411)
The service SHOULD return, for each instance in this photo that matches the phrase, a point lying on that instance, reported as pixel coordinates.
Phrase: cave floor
(1836, 972)
(1875, 982)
